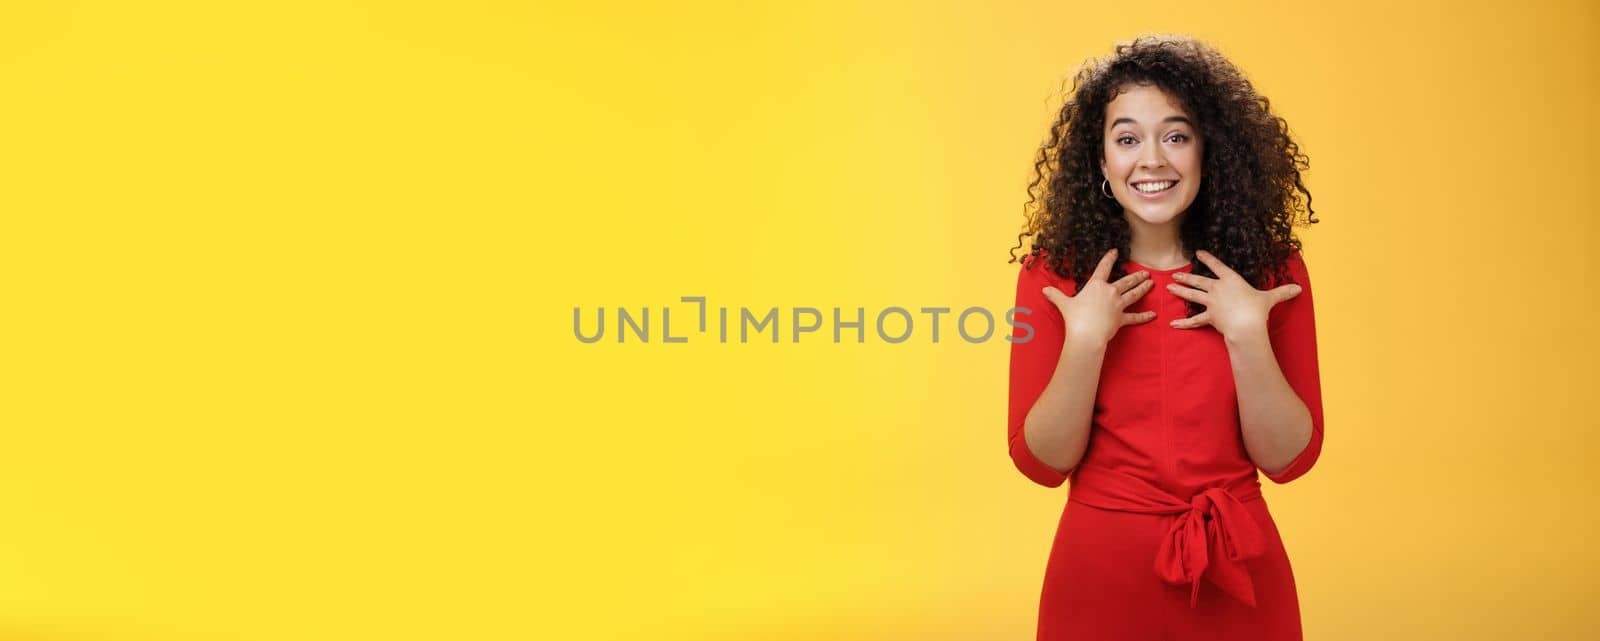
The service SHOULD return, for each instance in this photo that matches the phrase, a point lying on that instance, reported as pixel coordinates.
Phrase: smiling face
(1151, 142)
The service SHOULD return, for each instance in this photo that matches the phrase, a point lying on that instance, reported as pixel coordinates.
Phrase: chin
(1160, 217)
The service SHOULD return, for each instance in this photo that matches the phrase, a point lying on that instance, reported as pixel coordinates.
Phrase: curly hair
(1250, 189)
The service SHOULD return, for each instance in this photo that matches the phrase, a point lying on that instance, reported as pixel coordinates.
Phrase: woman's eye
(1183, 137)
(1119, 140)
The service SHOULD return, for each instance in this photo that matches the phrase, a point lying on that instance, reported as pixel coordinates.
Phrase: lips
(1154, 195)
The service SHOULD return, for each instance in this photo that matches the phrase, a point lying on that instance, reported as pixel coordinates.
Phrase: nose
(1151, 156)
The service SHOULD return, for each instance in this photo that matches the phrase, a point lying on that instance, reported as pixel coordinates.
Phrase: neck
(1158, 246)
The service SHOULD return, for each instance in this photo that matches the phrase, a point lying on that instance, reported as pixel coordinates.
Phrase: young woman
(1173, 354)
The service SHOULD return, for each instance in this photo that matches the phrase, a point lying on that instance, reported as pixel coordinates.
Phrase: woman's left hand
(1233, 306)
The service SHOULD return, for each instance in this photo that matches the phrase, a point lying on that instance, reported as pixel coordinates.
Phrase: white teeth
(1151, 188)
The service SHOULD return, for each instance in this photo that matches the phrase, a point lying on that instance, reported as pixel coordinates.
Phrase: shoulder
(1298, 268)
(1295, 267)
(1039, 268)
(1298, 306)
(1042, 264)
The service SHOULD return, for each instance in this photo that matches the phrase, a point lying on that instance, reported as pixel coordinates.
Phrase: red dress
(1165, 534)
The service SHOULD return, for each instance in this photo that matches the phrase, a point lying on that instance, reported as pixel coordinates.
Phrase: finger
(1136, 293)
(1131, 280)
(1189, 294)
(1132, 318)
(1198, 320)
(1102, 271)
(1285, 292)
(1196, 281)
(1214, 263)
(1055, 295)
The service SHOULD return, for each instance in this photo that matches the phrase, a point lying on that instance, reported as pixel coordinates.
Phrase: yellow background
(288, 294)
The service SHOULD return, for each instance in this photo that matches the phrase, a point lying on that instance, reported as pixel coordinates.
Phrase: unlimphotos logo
(893, 324)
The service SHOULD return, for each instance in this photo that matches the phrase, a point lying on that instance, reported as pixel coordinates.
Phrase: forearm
(1274, 420)
(1057, 427)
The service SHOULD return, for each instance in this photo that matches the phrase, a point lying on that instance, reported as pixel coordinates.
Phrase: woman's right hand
(1095, 312)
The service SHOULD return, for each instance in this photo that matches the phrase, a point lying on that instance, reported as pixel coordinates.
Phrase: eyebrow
(1168, 119)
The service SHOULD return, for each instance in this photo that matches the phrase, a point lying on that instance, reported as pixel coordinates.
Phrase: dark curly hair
(1250, 186)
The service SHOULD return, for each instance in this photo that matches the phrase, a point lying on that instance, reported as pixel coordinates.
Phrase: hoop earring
(1104, 186)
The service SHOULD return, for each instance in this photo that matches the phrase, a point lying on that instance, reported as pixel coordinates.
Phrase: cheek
(1117, 164)
(1194, 160)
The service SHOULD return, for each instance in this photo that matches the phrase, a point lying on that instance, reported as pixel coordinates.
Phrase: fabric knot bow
(1212, 540)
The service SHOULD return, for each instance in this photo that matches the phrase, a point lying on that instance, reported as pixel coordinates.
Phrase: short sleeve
(1292, 328)
(1038, 334)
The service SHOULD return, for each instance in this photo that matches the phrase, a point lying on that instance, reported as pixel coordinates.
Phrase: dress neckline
(1143, 267)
